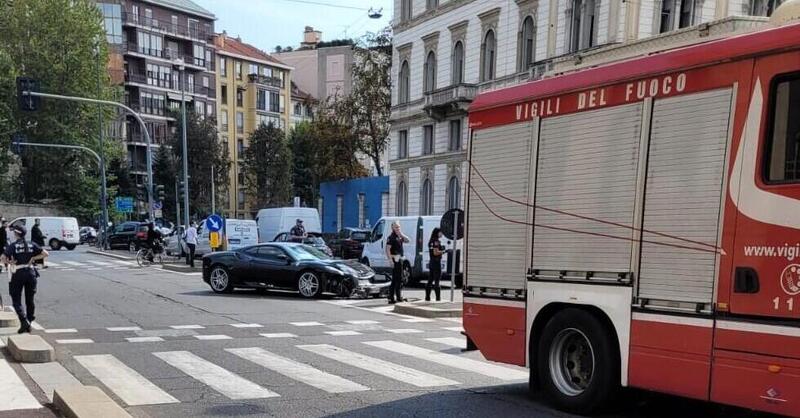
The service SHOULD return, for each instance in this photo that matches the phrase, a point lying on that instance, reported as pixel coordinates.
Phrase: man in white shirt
(191, 242)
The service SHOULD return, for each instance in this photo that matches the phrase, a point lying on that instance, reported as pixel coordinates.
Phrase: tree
(204, 151)
(166, 173)
(267, 166)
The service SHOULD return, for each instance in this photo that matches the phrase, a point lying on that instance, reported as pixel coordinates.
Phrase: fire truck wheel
(577, 362)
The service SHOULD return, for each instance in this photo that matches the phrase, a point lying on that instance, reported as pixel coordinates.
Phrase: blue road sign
(214, 223)
(124, 204)
(158, 206)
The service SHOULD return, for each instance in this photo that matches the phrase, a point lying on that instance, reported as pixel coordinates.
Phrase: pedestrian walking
(19, 257)
(38, 237)
(298, 232)
(394, 252)
(436, 249)
(191, 243)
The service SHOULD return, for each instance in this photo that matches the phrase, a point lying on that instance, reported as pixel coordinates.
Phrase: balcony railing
(190, 32)
(170, 54)
(453, 99)
(267, 81)
(170, 84)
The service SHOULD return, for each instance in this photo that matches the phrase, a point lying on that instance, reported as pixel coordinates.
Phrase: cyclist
(153, 241)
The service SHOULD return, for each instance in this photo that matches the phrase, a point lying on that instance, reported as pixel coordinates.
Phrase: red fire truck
(638, 224)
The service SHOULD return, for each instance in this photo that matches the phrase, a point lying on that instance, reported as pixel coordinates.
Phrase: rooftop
(184, 6)
(235, 46)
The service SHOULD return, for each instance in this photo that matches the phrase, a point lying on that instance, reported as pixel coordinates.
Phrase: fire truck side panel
(764, 383)
(497, 327)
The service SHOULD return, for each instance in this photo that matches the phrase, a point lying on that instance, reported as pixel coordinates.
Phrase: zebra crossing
(91, 265)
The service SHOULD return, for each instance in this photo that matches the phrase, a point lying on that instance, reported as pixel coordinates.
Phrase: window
(402, 144)
(759, 7)
(377, 232)
(274, 102)
(240, 199)
(783, 142)
(427, 140)
(488, 52)
(426, 199)
(238, 69)
(253, 69)
(431, 4)
(527, 44)
(189, 83)
(148, 15)
(402, 199)
(205, 81)
(209, 109)
(405, 10)
(239, 147)
(261, 100)
(223, 92)
(298, 109)
(223, 67)
(200, 108)
(194, 27)
(583, 25)
(453, 193)
(239, 98)
(112, 22)
(149, 44)
(266, 71)
(199, 55)
(458, 64)
(429, 83)
(455, 135)
(135, 13)
(223, 120)
(687, 13)
(405, 83)
(239, 122)
(174, 21)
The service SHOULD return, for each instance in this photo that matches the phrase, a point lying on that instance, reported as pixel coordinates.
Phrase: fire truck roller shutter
(496, 248)
(688, 143)
(587, 166)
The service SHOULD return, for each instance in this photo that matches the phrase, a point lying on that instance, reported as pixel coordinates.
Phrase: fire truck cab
(650, 215)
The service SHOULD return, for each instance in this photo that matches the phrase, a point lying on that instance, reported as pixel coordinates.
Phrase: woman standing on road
(435, 271)
(19, 256)
(394, 252)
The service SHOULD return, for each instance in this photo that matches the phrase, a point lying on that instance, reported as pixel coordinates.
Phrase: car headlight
(348, 270)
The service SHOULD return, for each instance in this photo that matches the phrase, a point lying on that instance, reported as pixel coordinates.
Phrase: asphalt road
(161, 344)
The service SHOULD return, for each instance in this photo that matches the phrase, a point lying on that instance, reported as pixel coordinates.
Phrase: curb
(29, 348)
(86, 402)
(105, 254)
(9, 320)
(426, 311)
(180, 269)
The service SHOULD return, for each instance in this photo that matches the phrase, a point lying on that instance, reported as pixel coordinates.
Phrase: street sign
(213, 239)
(158, 206)
(124, 204)
(448, 223)
(214, 223)
(157, 213)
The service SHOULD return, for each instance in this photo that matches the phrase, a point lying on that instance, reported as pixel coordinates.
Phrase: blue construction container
(356, 203)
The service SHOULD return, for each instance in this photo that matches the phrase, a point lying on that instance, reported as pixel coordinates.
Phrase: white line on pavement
(456, 320)
(13, 393)
(363, 322)
(180, 272)
(61, 331)
(213, 337)
(451, 341)
(299, 371)
(378, 366)
(454, 329)
(124, 263)
(342, 333)
(75, 341)
(49, 376)
(450, 360)
(35, 325)
(247, 325)
(144, 339)
(405, 331)
(99, 263)
(279, 335)
(117, 329)
(223, 381)
(417, 320)
(186, 326)
(74, 263)
(67, 269)
(306, 324)
(52, 264)
(94, 268)
(125, 382)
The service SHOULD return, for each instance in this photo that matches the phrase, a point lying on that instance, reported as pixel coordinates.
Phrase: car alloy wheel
(308, 284)
(219, 280)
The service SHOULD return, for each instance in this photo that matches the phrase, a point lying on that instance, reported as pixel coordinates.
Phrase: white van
(238, 233)
(418, 229)
(58, 231)
(272, 222)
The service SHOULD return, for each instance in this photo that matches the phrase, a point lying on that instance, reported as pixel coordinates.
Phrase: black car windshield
(313, 240)
(360, 236)
(305, 252)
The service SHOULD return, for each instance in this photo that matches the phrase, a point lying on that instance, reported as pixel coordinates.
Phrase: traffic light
(160, 192)
(141, 192)
(181, 189)
(27, 102)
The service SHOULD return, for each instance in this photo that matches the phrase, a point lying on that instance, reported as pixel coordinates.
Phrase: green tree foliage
(166, 172)
(267, 166)
(62, 44)
(204, 151)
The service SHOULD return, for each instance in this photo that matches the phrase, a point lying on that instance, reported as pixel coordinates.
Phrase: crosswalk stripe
(61, 331)
(99, 263)
(247, 325)
(74, 263)
(49, 376)
(450, 360)
(404, 331)
(456, 320)
(454, 329)
(125, 382)
(52, 264)
(124, 263)
(279, 335)
(342, 333)
(363, 322)
(144, 339)
(75, 341)
(94, 268)
(223, 381)
(213, 337)
(415, 320)
(13, 393)
(306, 324)
(378, 366)
(35, 325)
(118, 329)
(451, 341)
(186, 326)
(299, 371)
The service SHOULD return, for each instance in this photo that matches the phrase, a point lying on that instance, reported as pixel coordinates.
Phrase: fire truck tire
(577, 362)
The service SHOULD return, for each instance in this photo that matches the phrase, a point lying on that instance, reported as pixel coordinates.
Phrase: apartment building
(302, 106)
(254, 88)
(447, 51)
(161, 47)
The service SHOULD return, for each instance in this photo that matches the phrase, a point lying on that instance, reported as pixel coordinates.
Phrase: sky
(267, 23)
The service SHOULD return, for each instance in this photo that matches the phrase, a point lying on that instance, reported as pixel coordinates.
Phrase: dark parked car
(349, 243)
(289, 266)
(312, 239)
(127, 235)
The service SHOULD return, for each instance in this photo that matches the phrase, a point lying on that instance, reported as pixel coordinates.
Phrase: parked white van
(58, 231)
(238, 233)
(272, 222)
(418, 229)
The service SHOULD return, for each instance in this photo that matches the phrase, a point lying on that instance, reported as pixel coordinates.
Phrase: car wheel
(220, 280)
(55, 244)
(577, 362)
(132, 247)
(70, 247)
(309, 284)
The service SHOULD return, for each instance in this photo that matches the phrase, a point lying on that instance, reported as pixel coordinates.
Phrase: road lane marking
(75, 341)
(343, 333)
(378, 366)
(306, 324)
(223, 381)
(61, 331)
(417, 320)
(454, 329)
(299, 371)
(451, 341)
(99, 263)
(35, 325)
(63, 269)
(279, 335)
(13, 393)
(247, 325)
(125, 382)
(213, 337)
(118, 329)
(187, 327)
(94, 268)
(50, 376)
(144, 339)
(456, 320)
(74, 263)
(363, 322)
(404, 331)
(124, 263)
(450, 360)
(52, 264)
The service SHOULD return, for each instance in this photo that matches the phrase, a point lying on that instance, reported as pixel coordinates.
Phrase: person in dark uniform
(153, 241)
(38, 237)
(394, 252)
(19, 257)
(298, 232)
(3, 237)
(436, 249)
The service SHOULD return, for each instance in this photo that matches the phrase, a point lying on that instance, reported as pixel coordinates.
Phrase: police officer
(19, 256)
(394, 252)
(298, 232)
(436, 249)
(3, 237)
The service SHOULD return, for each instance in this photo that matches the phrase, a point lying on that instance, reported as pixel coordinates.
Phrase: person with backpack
(19, 257)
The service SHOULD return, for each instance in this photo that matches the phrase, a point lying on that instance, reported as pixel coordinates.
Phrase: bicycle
(144, 255)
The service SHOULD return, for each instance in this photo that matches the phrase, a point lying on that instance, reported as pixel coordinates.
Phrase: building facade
(356, 203)
(446, 52)
(302, 106)
(254, 88)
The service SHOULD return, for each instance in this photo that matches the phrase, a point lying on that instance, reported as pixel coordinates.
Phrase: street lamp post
(104, 190)
(181, 80)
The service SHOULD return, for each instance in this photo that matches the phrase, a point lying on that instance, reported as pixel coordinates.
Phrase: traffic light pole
(135, 115)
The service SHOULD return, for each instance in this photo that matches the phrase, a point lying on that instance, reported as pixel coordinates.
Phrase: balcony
(183, 31)
(170, 55)
(450, 100)
(267, 81)
(139, 77)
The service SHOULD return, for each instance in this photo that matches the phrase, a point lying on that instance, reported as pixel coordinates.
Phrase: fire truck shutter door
(688, 142)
